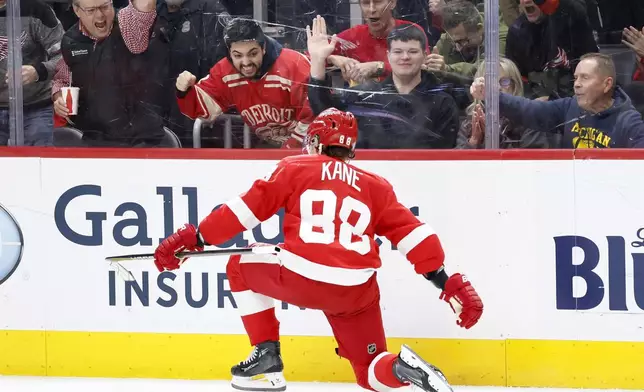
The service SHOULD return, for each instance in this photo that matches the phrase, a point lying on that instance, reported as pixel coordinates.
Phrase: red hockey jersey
(333, 210)
(275, 106)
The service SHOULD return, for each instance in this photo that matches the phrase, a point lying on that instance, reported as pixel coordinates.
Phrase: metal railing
(228, 130)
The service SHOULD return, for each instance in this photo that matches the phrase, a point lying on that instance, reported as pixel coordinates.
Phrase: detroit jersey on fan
(275, 104)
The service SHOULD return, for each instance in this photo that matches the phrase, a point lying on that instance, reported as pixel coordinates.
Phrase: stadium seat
(67, 137)
(72, 137)
(170, 139)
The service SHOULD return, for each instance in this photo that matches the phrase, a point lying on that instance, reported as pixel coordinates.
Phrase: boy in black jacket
(406, 110)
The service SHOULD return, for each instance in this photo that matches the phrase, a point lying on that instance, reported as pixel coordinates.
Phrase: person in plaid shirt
(103, 55)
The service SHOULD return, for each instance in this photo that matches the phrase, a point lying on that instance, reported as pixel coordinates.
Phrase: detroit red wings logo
(4, 45)
(560, 61)
(274, 132)
(314, 141)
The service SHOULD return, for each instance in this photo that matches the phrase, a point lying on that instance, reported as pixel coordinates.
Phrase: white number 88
(325, 220)
(347, 142)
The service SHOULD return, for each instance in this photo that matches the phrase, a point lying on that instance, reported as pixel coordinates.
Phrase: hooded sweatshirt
(619, 126)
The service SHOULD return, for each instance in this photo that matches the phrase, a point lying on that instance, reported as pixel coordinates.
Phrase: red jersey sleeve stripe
(415, 237)
(209, 106)
(244, 214)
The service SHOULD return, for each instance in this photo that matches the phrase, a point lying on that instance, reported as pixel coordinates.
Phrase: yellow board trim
(518, 363)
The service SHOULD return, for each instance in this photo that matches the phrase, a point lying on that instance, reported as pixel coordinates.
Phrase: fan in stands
(264, 81)
(328, 261)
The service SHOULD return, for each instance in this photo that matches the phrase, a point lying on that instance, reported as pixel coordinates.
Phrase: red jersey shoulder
(372, 181)
(375, 180)
(225, 73)
(351, 39)
(361, 30)
(347, 41)
(295, 161)
(302, 158)
(353, 32)
(303, 165)
(289, 164)
(291, 60)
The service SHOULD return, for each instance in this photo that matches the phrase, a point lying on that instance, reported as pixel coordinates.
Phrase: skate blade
(266, 382)
(437, 383)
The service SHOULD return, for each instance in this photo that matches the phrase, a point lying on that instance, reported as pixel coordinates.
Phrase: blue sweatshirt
(619, 126)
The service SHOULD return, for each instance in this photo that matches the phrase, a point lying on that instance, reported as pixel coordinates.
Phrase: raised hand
(477, 89)
(318, 43)
(634, 39)
(185, 80)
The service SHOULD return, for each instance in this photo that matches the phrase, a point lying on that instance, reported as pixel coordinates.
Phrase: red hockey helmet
(332, 127)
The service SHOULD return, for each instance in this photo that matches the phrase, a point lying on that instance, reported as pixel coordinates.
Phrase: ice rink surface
(52, 384)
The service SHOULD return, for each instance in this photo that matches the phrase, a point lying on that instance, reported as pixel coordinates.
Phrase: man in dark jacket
(600, 115)
(103, 55)
(406, 110)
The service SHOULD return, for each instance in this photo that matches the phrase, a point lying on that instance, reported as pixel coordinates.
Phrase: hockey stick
(127, 276)
(203, 253)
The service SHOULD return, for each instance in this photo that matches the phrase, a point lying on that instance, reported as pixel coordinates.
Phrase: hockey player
(265, 82)
(328, 260)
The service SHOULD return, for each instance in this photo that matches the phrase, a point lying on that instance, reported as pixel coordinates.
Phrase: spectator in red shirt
(361, 53)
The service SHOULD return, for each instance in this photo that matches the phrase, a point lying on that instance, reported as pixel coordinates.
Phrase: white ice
(56, 384)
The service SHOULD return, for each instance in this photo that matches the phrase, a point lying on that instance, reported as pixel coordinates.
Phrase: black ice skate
(261, 371)
(409, 367)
